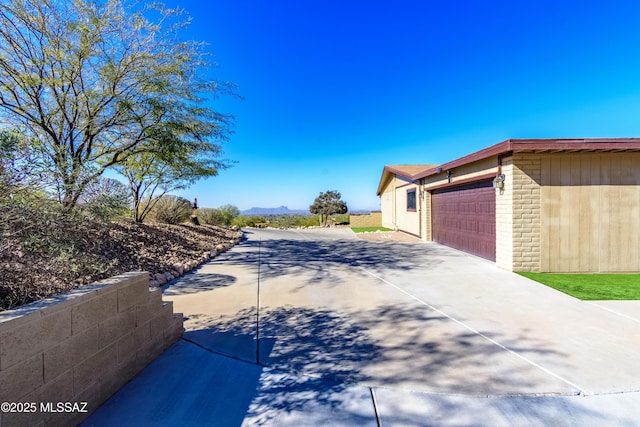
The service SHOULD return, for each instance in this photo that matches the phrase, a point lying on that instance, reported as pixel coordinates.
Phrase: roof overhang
(409, 172)
(569, 145)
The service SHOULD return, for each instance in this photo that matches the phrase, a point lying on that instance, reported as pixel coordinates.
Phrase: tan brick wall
(426, 217)
(373, 219)
(504, 218)
(526, 212)
(82, 346)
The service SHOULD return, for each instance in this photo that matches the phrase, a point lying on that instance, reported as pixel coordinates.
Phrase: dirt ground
(69, 255)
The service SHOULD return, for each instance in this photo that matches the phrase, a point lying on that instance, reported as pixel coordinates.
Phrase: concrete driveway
(318, 327)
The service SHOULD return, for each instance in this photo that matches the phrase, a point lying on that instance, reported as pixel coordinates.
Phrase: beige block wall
(425, 220)
(373, 219)
(504, 218)
(526, 212)
(81, 346)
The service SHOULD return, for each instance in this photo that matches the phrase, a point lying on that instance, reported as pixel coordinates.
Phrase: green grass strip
(369, 229)
(592, 286)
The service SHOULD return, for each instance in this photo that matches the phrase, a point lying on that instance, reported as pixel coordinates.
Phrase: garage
(464, 217)
(559, 206)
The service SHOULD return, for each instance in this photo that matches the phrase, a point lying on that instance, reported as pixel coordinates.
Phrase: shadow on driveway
(314, 366)
(353, 349)
(282, 257)
(192, 283)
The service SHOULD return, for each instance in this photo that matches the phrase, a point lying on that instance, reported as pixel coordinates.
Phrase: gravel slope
(65, 256)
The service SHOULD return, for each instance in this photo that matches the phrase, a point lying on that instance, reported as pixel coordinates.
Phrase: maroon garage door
(465, 218)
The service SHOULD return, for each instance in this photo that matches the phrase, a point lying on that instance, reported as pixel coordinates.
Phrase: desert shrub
(37, 231)
(224, 215)
(248, 221)
(106, 199)
(341, 219)
(172, 210)
(210, 216)
(228, 212)
(308, 221)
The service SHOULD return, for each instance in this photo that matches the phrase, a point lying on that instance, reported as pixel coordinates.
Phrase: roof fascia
(537, 144)
(388, 171)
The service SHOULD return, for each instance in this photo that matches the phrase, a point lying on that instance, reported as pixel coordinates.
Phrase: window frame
(415, 200)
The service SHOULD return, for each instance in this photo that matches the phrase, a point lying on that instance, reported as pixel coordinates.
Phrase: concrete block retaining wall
(81, 346)
(374, 219)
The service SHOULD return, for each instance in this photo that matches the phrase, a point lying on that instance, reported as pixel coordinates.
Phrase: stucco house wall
(393, 204)
(394, 185)
(388, 205)
(407, 220)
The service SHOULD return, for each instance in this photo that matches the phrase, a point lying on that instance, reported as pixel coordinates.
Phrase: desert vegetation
(46, 249)
(104, 112)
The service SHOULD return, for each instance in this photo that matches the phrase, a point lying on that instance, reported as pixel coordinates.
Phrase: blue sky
(334, 90)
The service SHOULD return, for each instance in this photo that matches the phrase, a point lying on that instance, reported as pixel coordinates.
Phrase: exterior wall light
(498, 182)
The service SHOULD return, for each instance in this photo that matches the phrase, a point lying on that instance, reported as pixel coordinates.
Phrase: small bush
(210, 216)
(172, 210)
(308, 221)
(41, 231)
(224, 215)
(106, 199)
(342, 219)
(229, 213)
(248, 221)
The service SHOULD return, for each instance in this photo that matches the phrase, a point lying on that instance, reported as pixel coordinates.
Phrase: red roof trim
(539, 145)
(404, 173)
(391, 170)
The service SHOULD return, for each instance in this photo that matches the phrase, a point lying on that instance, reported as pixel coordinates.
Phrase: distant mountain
(282, 210)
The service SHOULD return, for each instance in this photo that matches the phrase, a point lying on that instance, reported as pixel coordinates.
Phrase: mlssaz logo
(66, 407)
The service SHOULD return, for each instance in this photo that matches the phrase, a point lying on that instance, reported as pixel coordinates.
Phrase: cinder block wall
(374, 219)
(81, 346)
(425, 219)
(504, 218)
(526, 212)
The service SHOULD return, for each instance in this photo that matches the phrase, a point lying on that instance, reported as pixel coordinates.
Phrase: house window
(411, 200)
